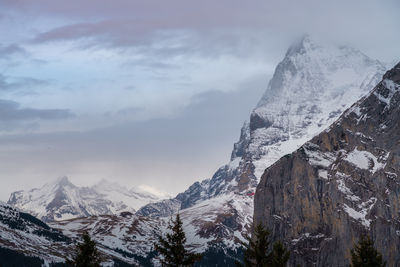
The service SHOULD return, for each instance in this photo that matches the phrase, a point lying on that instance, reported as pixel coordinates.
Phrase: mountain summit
(342, 184)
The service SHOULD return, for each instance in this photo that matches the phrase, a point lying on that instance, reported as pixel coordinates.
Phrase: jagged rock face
(340, 185)
(62, 200)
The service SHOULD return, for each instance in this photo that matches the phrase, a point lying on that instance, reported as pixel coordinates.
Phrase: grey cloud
(12, 111)
(212, 28)
(11, 50)
(116, 32)
(162, 41)
(189, 146)
(23, 85)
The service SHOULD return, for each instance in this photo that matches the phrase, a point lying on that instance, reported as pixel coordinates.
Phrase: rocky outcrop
(342, 184)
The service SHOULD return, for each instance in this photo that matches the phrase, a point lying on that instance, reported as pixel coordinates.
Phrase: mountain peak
(63, 181)
(302, 44)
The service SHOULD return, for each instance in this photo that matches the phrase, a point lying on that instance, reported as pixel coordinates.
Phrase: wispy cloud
(12, 50)
(21, 85)
(12, 111)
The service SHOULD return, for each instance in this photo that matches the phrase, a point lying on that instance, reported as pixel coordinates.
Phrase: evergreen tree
(365, 255)
(256, 252)
(279, 255)
(172, 248)
(86, 254)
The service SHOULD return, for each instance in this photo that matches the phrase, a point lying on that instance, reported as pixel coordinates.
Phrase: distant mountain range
(63, 200)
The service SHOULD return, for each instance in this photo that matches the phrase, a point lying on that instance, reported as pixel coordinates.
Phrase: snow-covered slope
(310, 89)
(133, 198)
(27, 241)
(131, 237)
(26, 234)
(62, 200)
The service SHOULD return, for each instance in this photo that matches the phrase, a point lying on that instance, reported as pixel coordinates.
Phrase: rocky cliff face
(340, 185)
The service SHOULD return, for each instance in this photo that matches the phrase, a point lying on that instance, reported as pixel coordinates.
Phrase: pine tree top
(86, 253)
(364, 254)
(172, 247)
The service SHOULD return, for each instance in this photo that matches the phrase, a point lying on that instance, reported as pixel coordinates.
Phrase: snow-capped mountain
(62, 200)
(311, 87)
(342, 184)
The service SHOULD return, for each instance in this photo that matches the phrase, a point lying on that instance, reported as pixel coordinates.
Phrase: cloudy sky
(151, 92)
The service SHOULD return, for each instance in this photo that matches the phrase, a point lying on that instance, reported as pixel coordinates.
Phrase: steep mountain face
(310, 89)
(22, 234)
(62, 200)
(340, 185)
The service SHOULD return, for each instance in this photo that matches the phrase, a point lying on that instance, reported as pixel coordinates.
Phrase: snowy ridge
(61, 200)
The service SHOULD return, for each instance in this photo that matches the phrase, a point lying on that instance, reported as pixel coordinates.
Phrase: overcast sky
(151, 92)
